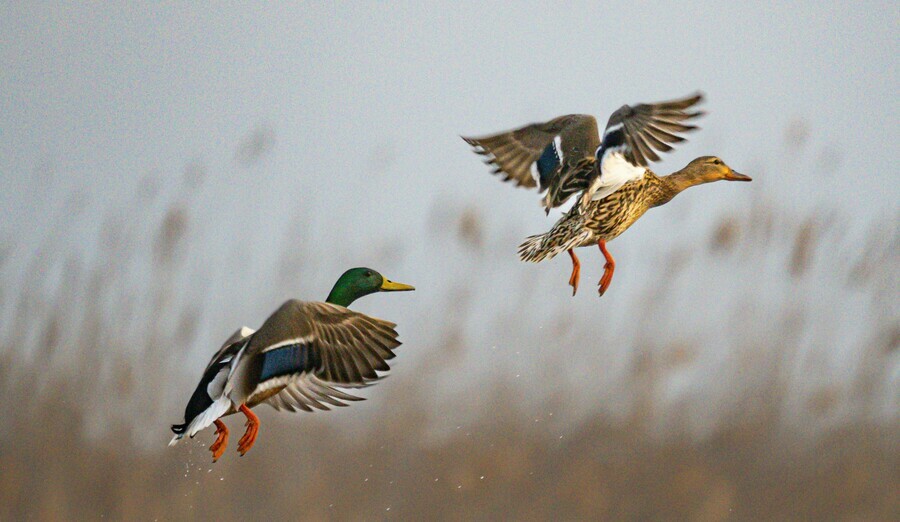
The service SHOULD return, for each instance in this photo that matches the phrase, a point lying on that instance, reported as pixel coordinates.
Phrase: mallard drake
(296, 360)
(566, 156)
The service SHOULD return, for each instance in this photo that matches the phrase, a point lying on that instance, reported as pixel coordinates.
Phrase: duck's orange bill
(737, 176)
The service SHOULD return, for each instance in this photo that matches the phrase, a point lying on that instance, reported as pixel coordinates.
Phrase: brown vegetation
(90, 379)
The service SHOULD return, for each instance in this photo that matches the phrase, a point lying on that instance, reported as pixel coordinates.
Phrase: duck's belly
(611, 216)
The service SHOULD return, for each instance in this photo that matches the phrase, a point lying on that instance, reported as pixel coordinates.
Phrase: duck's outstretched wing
(632, 138)
(539, 155)
(650, 127)
(309, 348)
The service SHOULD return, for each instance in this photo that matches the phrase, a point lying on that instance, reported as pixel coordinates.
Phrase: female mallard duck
(566, 156)
(595, 222)
(295, 360)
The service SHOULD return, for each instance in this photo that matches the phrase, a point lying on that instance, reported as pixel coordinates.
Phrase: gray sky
(106, 95)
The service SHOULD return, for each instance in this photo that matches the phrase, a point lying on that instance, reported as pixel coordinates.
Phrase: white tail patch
(217, 409)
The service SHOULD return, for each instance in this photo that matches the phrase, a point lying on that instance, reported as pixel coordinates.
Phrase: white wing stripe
(612, 128)
(557, 144)
(306, 391)
(299, 340)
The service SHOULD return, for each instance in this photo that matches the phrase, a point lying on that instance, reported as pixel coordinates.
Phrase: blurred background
(170, 173)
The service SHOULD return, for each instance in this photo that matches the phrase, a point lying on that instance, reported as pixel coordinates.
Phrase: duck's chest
(612, 215)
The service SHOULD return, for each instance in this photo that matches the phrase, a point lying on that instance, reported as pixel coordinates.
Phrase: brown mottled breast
(612, 215)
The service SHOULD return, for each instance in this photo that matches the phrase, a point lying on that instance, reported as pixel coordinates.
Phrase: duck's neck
(342, 295)
(679, 181)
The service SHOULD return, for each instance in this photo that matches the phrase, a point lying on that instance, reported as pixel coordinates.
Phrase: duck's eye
(368, 273)
(717, 161)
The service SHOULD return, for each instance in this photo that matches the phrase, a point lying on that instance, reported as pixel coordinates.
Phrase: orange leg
(608, 268)
(218, 447)
(576, 271)
(249, 437)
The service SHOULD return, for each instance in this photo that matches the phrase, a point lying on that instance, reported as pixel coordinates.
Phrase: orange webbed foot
(576, 271)
(218, 447)
(249, 437)
(608, 268)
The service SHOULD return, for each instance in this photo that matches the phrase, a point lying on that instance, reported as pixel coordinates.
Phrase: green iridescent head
(359, 282)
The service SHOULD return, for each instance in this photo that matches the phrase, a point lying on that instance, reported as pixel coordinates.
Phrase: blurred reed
(89, 366)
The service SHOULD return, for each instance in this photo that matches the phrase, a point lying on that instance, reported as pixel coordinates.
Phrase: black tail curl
(179, 429)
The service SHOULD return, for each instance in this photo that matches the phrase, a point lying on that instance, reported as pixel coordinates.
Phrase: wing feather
(651, 127)
(513, 153)
(336, 347)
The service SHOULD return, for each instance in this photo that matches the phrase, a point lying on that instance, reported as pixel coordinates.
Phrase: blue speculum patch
(293, 358)
(547, 163)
